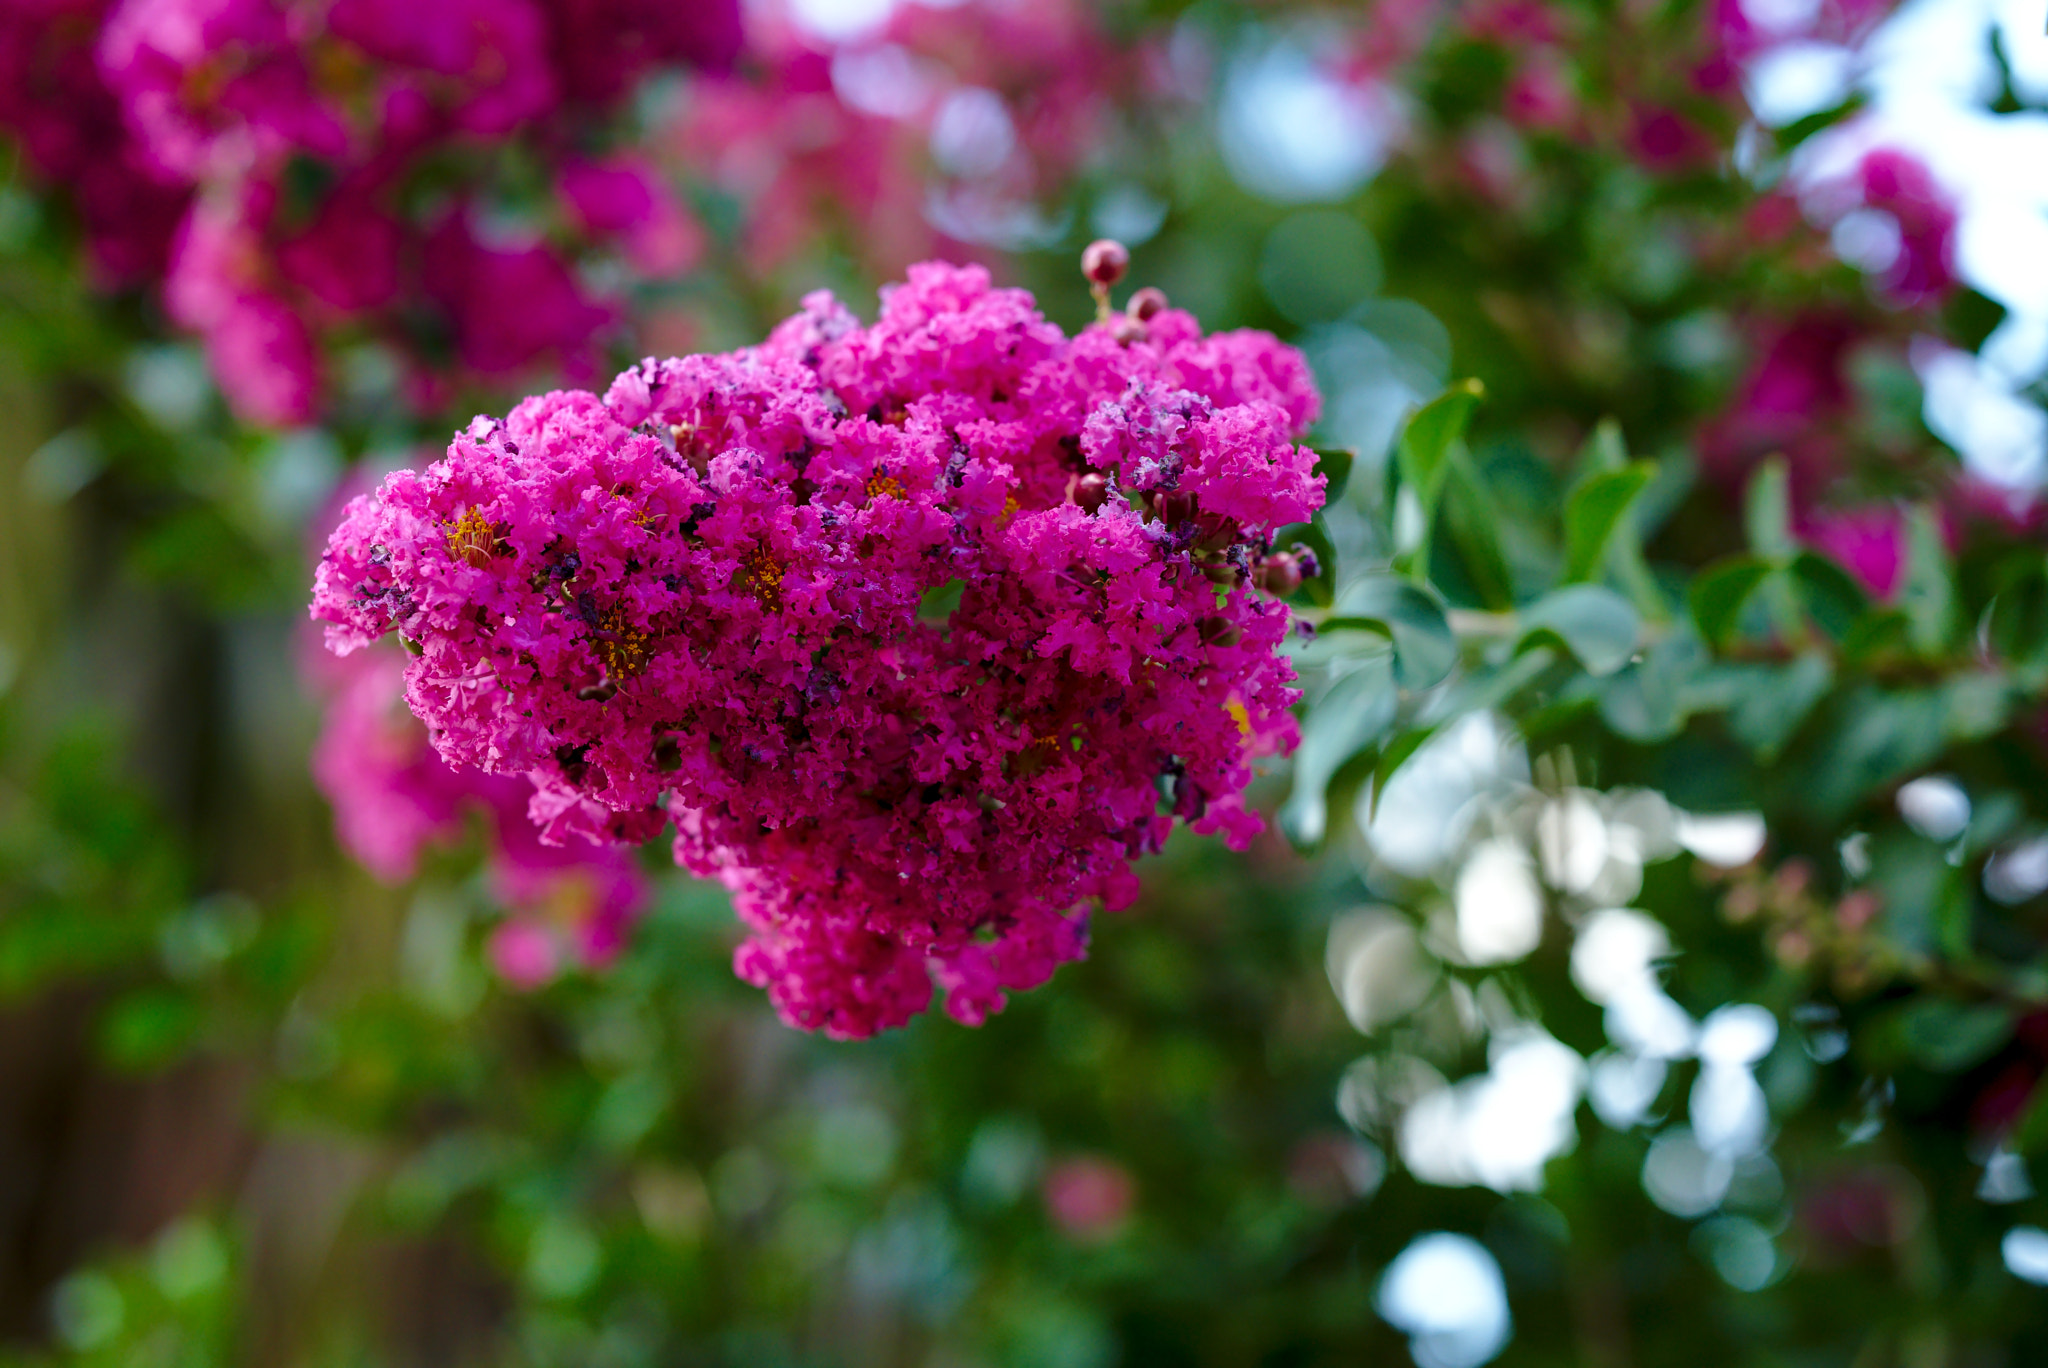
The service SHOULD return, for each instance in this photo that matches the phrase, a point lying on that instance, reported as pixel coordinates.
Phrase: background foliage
(1676, 602)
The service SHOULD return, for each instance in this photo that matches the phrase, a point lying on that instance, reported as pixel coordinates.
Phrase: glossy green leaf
(1604, 449)
(1595, 511)
(1927, 595)
(1334, 465)
(1422, 457)
(1722, 591)
(1412, 617)
(1775, 700)
(1876, 738)
(1767, 511)
(1594, 623)
(1353, 715)
(2017, 629)
(1830, 595)
(1949, 1037)
(1423, 453)
(1648, 700)
(1473, 519)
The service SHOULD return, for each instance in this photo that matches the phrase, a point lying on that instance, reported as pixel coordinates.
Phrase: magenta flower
(1794, 402)
(1922, 268)
(323, 158)
(1089, 1197)
(394, 797)
(920, 632)
(1868, 542)
(71, 133)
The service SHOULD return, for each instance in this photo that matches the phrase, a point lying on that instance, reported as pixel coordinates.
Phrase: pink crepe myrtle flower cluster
(393, 797)
(342, 171)
(939, 132)
(69, 129)
(920, 632)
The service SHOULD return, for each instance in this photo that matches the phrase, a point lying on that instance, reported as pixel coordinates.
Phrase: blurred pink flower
(394, 797)
(74, 140)
(624, 198)
(1923, 216)
(1089, 1197)
(509, 306)
(1870, 543)
(291, 136)
(1791, 403)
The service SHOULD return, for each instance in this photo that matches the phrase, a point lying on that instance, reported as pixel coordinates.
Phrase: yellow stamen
(763, 574)
(622, 648)
(471, 539)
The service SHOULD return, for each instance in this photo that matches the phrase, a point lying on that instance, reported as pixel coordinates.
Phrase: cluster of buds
(1105, 262)
(1806, 930)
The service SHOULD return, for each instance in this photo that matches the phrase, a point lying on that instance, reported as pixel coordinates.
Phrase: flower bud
(1279, 575)
(1219, 631)
(1175, 506)
(1091, 491)
(1146, 304)
(1104, 261)
(1126, 330)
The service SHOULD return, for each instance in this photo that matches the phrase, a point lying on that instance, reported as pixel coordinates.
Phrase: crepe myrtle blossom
(305, 175)
(919, 632)
(393, 797)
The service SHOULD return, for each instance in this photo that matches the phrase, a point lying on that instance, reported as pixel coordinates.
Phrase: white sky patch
(1796, 79)
(838, 21)
(1292, 132)
(1445, 1291)
(1930, 75)
(884, 79)
(2026, 1253)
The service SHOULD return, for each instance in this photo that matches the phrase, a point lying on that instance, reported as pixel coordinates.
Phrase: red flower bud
(1279, 575)
(1104, 261)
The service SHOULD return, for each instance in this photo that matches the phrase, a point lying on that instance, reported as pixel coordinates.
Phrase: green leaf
(1594, 623)
(1647, 702)
(1949, 1037)
(1411, 616)
(1881, 632)
(1830, 594)
(1928, 593)
(1334, 465)
(1976, 705)
(1425, 447)
(1876, 739)
(1393, 755)
(1422, 456)
(1767, 511)
(2018, 626)
(1722, 591)
(1353, 715)
(1473, 520)
(1593, 513)
(1774, 700)
(938, 603)
(1604, 449)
